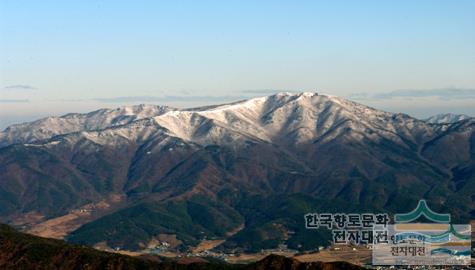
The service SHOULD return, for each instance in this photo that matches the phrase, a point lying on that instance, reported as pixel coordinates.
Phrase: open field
(59, 227)
(207, 245)
(358, 255)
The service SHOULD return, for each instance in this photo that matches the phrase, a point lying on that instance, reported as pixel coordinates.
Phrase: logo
(405, 242)
(422, 210)
(435, 243)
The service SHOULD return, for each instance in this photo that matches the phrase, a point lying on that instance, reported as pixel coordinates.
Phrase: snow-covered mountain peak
(290, 118)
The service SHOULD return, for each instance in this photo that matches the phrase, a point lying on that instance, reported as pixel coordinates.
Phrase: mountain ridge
(304, 151)
(446, 118)
(257, 117)
(19, 250)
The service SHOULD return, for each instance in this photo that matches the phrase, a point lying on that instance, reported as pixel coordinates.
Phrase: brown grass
(207, 245)
(359, 256)
(59, 227)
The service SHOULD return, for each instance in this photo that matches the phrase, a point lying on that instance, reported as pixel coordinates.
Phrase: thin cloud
(244, 94)
(441, 93)
(268, 91)
(20, 87)
(359, 96)
(168, 99)
(14, 101)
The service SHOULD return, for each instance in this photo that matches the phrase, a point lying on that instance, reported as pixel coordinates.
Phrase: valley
(232, 178)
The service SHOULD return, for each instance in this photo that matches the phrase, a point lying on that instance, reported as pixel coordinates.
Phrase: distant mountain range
(446, 118)
(245, 172)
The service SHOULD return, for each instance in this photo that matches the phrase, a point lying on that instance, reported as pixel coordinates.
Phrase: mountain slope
(294, 118)
(304, 152)
(22, 251)
(49, 127)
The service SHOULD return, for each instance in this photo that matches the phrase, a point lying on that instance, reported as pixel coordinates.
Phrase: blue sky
(62, 56)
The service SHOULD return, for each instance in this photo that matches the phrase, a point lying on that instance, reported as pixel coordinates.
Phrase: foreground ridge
(23, 251)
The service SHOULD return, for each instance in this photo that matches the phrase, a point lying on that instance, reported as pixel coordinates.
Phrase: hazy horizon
(197, 101)
(59, 57)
